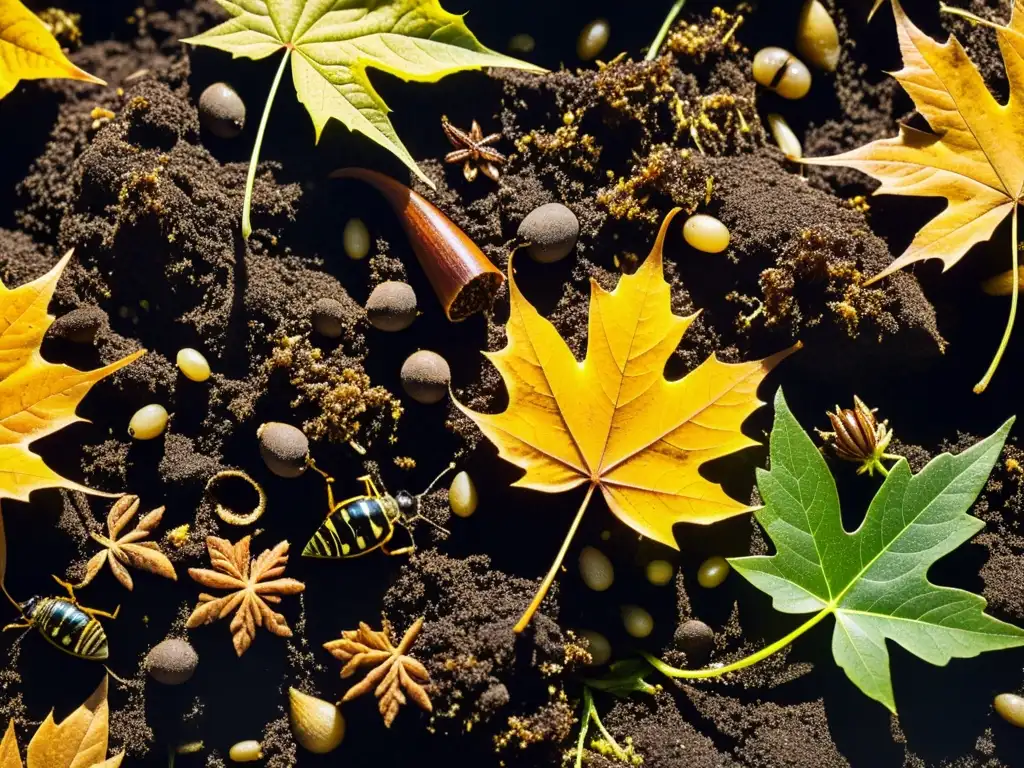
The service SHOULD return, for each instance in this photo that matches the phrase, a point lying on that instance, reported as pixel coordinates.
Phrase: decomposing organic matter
(331, 48)
(614, 422)
(860, 437)
(473, 150)
(393, 673)
(254, 582)
(130, 549)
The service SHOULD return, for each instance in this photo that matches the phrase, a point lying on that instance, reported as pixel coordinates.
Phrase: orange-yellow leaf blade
(80, 741)
(29, 52)
(37, 398)
(9, 757)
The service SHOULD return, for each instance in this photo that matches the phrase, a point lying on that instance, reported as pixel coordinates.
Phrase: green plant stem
(590, 714)
(545, 585)
(974, 19)
(255, 159)
(652, 52)
(983, 384)
(764, 653)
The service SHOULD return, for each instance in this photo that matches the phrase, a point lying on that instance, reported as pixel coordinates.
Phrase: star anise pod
(130, 549)
(472, 150)
(392, 670)
(255, 584)
(859, 437)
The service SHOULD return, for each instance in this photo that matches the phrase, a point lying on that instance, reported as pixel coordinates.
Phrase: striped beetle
(364, 523)
(65, 623)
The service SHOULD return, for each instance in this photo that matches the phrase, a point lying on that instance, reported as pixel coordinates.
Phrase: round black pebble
(425, 376)
(172, 661)
(551, 232)
(222, 111)
(391, 306)
(284, 448)
(329, 318)
(79, 325)
(695, 639)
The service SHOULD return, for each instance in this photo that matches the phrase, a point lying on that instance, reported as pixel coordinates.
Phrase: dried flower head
(392, 670)
(129, 549)
(859, 437)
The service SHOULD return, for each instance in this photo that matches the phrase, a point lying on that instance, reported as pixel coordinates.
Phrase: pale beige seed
(638, 622)
(778, 69)
(193, 365)
(148, 422)
(462, 495)
(706, 233)
(659, 572)
(356, 239)
(817, 39)
(598, 646)
(593, 39)
(318, 725)
(596, 569)
(1010, 707)
(784, 136)
(246, 751)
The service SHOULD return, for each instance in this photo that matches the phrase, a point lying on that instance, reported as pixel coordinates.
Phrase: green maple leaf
(875, 579)
(331, 43)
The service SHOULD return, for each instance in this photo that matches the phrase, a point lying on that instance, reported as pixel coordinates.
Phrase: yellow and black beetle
(65, 623)
(364, 523)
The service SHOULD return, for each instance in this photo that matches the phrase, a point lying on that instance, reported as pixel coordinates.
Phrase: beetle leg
(371, 489)
(69, 587)
(401, 550)
(101, 614)
(18, 625)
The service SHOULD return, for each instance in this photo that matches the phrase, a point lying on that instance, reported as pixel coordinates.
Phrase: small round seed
(246, 751)
(706, 233)
(317, 725)
(425, 376)
(391, 306)
(193, 365)
(356, 239)
(599, 647)
(172, 661)
(784, 136)
(659, 572)
(695, 639)
(522, 43)
(284, 448)
(593, 39)
(79, 325)
(551, 232)
(462, 495)
(1010, 707)
(329, 317)
(712, 572)
(596, 569)
(779, 70)
(817, 38)
(148, 422)
(222, 111)
(638, 622)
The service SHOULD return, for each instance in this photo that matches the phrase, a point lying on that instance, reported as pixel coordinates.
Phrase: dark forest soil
(150, 202)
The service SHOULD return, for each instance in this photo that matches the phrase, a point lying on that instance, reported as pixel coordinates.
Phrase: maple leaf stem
(971, 17)
(545, 585)
(652, 52)
(764, 653)
(982, 385)
(255, 159)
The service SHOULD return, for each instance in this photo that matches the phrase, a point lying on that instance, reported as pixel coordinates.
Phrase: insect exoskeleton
(67, 626)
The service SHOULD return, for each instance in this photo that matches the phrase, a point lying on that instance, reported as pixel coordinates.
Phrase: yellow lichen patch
(63, 26)
(714, 35)
(405, 462)
(566, 141)
(177, 537)
(636, 89)
(666, 170)
(858, 203)
(552, 723)
(350, 406)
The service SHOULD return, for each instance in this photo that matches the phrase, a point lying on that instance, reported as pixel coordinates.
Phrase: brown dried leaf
(392, 670)
(233, 570)
(130, 549)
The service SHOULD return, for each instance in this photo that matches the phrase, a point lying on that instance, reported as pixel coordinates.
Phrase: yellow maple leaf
(37, 398)
(79, 741)
(29, 52)
(613, 421)
(974, 157)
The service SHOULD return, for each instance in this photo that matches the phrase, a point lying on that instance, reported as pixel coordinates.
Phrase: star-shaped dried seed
(472, 151)
(392, 670)
(255, 584)
(130, 549)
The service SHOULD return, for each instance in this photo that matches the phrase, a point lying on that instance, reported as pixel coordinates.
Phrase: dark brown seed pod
(463, 278)
(859, 437)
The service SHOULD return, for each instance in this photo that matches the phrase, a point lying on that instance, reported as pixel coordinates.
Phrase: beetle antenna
(433, 482)
(8, 596)
(111, 672)
(421, 516)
